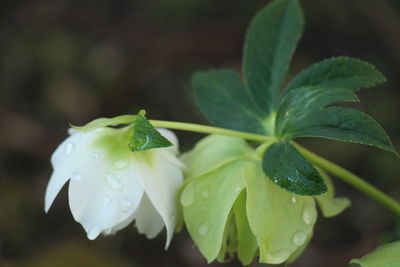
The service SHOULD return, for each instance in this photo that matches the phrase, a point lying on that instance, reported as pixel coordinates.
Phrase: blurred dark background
(72, 61)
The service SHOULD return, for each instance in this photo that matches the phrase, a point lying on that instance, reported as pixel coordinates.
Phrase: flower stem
(199, 128)
(348, 177)
(352, 179)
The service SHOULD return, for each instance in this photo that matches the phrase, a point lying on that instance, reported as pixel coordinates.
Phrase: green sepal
(281, 221)
(212, 152)
(207, 201)
(338, 72)
(271, 39)
(386, 255)
(145, 136)
(225, 102)
(329, 204)
(104, 122)
(247, 242)
(286, 167)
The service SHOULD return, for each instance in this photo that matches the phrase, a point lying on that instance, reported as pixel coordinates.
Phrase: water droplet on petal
(95, 155)
(299, 238)
(278, 256)
(69, 148)
(187, 197)
(94, 231)
(309, 215)
(108, 231)
(113, 181)
(205, 193)
(107, 199)
(76, 176)
(203, 229)
(294, 200)
(120, 164)
(126, 202)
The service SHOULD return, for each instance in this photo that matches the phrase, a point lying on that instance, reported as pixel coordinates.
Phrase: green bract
(386, 256)
(229, 206)
(255, 103)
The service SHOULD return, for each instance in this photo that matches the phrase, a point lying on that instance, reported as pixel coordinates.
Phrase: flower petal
(105, 197)
(161, 180)
(69, 156)
(148, 220)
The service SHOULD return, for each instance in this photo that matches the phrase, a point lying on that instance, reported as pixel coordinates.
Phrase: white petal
(105, 197)
(148, 220)
(69, 157)
(161, 180)
(172, 138)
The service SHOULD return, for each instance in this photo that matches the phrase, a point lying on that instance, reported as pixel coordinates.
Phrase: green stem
(348, 177)
(199, 128)
(352, 179)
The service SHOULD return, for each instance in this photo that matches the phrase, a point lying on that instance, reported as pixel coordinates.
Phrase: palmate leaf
(338, 72)
(225, 100)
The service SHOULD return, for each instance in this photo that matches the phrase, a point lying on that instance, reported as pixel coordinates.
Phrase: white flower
(110, 186)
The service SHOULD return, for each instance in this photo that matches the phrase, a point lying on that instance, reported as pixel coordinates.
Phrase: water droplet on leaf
(299, 238)
(309, 215)
(294, 200)
(203, 229)
(278, 256)
(205, 193)
(187, 197)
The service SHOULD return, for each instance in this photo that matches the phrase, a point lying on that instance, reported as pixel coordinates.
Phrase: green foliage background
(72, 61)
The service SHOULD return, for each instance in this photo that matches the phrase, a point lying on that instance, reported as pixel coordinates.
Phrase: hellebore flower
(231, 206)
(110, 186)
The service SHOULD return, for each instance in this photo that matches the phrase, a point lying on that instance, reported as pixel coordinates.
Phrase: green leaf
(297, 106)
(104, 122)
(338, 72)
(343, 124)
(145, 136)
(271, 39)
(384, 256)
(302, 113)
(224, 101)
(329, 205)
(247, 242)
(286, 167)
(213, 152)
(281, 221)
(207, 201)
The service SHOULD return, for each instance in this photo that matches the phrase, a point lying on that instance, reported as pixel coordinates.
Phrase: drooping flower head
(110, 186)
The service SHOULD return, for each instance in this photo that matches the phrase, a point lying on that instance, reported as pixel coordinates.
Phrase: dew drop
(309, 216)
(205, 193)
(238, 190)
(113, 181)
(108, 231)
(299, 238)
(120, 164)
(203, 229)
(69, 148)
(76, 176)
(187, 197)
(278, 256)
(126, 202)
(94, 231)
(95, 155)
(291, 179)
(107, 199)
(294, 200)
